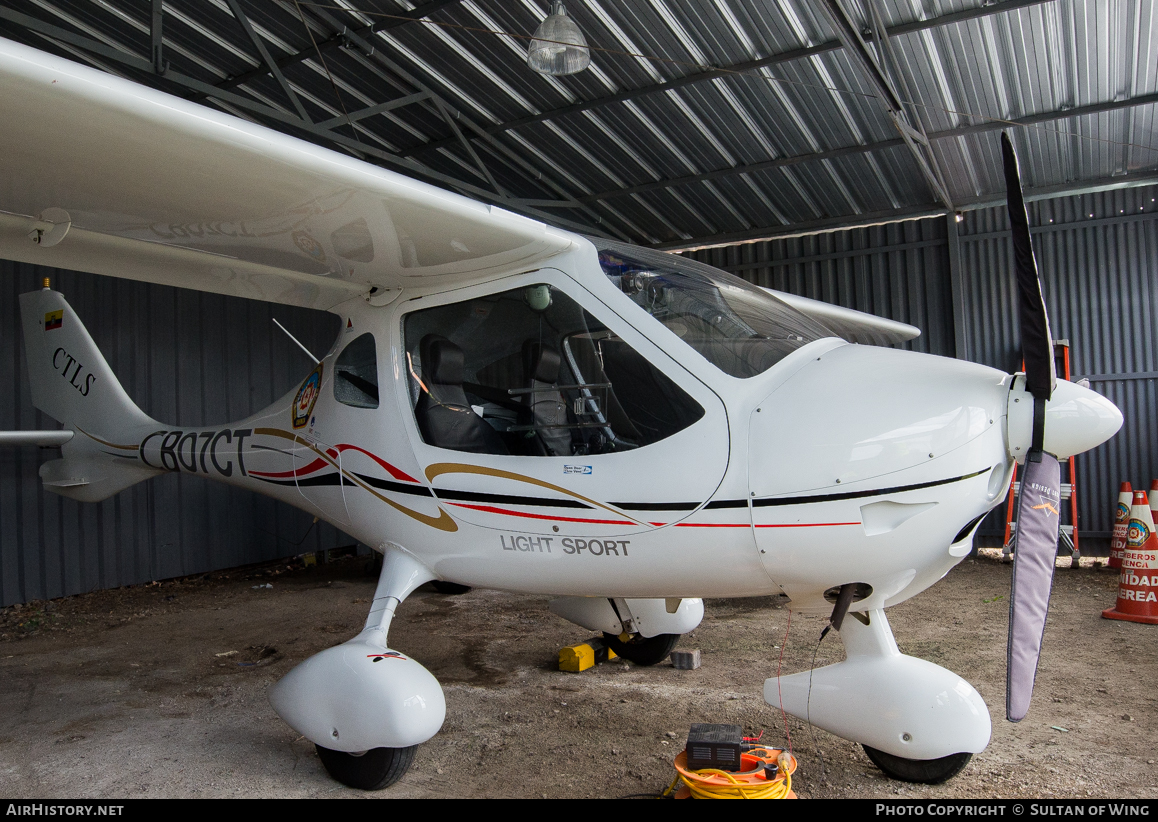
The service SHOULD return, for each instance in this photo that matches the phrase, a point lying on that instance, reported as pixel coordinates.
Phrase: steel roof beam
(960, 131)
(741, 68)
(829, 224)
(235, 7)
(202, 92)
(1070, 189)
(437, 104)
(156, 22)
(338, 40)
(873, 67)
(370, 111)
(206, 90)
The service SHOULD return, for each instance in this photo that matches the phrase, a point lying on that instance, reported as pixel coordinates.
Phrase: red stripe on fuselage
(749, 525)
(803, 524)
(397, 473)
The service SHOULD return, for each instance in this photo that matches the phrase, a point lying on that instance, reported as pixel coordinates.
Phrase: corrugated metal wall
(188, 359)
(1098, 259)
(899, 271)
(1098, 256)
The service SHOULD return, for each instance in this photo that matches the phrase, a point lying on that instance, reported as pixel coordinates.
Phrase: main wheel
(449, 588)
(372, 771)
(643, 650)
(928, 771)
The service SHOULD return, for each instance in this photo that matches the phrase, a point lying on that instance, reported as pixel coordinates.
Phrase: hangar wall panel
(899, 271)
(1099, 264)
(186, 358)
(1098, 261)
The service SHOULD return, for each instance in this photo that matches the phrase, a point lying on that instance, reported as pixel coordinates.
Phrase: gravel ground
(160, 691)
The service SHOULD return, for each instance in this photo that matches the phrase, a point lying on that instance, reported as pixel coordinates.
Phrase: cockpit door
(536, 410)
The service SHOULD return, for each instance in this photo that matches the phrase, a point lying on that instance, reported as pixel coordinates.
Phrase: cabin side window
(529, 372)
(356, 374)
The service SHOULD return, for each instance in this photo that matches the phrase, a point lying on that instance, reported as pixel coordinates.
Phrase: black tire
(643, 650)
(449, 588)
(372, 771)
(927, 771)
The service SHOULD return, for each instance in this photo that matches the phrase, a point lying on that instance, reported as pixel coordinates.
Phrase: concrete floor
(160, 691)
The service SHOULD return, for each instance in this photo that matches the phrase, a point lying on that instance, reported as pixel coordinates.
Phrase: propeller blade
(1038, 505)
(1035, 552)
(1036, 342)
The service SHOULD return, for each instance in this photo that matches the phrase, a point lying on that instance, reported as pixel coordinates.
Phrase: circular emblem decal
(309, 245)
(307, 395)
(1138, 534)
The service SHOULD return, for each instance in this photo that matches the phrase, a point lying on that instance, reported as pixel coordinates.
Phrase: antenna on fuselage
(295, 339)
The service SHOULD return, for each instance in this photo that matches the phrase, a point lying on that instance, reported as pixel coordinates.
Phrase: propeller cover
(1035, 553)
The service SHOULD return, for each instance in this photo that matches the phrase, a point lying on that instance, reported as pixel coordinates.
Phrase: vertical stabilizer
(72, 382)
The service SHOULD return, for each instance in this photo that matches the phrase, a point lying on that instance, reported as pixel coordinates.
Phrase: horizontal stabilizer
(45, 439)
(91, 479)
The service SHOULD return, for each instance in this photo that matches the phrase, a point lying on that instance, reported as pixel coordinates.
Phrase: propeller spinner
(1035, 540)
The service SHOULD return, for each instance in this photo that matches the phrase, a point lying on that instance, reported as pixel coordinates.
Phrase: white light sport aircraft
(517, 407)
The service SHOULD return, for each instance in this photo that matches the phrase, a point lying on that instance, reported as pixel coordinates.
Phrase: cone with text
(1121, 522)
(1138, 576)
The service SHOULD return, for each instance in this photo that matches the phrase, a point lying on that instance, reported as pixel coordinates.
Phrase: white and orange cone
(1154, 500)
(1121, 522)
(1138, 577)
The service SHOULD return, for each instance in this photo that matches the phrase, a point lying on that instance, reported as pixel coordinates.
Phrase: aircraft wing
(115, 178)
(854, 326)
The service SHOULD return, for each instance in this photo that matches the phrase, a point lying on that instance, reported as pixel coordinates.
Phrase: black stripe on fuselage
(680, 506)
(400, 487)
(657, 506)
(334, 478)
(308, 482)
(876, 492)
(505, 499)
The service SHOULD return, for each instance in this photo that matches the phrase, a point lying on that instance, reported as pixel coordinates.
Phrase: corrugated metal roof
(761, 96)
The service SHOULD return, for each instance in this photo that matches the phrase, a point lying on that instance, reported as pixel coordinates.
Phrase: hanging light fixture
(558, 47)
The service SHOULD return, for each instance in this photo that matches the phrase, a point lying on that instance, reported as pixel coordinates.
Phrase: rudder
(72, 382)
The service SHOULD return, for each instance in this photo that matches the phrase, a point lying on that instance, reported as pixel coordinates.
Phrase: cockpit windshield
(739, 328)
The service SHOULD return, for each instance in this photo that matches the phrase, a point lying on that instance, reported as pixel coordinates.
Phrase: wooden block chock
(686, 660)
(575, 658)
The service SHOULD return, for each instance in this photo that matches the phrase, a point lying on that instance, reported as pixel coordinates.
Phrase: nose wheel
(370, 771)
(926, 771)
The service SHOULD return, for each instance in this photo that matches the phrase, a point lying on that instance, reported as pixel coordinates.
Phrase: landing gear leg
(365, 707)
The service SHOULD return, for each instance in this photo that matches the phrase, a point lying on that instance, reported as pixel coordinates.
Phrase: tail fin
(71, 381)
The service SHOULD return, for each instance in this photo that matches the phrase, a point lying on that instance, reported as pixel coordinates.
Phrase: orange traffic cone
(1121, 521)
(1138, 579)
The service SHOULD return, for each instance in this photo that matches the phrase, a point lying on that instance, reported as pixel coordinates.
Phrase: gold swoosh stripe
(438, 469)
(443, 522)
(109, 444)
